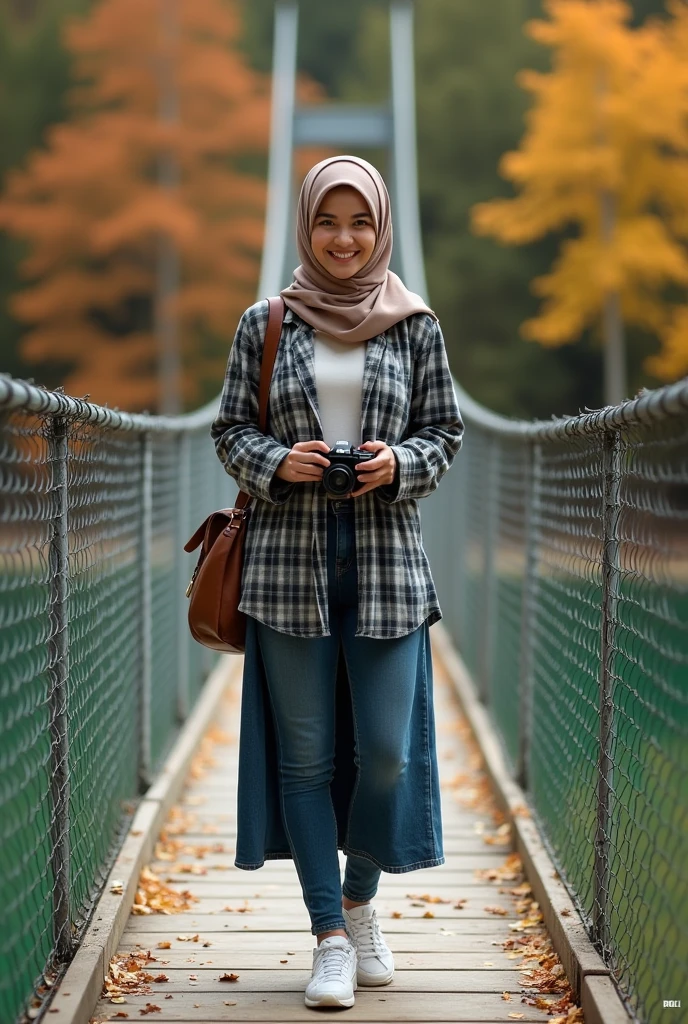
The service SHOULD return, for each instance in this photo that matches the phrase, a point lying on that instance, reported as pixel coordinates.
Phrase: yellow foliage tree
(124, 176)
(605, 153)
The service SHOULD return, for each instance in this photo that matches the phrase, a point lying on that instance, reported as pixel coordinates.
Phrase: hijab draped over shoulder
(374, 298)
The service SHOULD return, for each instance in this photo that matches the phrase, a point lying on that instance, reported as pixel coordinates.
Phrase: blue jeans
(301, 677)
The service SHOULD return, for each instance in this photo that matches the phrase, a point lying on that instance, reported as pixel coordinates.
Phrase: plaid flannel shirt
(409, 403)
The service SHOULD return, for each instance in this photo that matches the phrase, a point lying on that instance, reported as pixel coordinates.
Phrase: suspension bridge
(560, 554)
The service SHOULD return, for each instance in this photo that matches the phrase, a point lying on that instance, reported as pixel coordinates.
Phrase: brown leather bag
(215, 587)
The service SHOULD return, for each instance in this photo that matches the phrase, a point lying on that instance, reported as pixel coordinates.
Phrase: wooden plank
(475, 857)
(449, 941)
(225, 883)
(205, 826)
(371, 1005)
(210, 923)
(274, 979)
(208, 888)
(236, 957)
(265, 908)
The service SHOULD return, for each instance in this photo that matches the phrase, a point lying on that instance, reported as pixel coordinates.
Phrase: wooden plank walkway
(457, 960)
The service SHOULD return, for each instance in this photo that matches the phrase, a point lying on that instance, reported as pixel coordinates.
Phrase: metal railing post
(605, 766)
(58, 669)
(145, 541)
(528, 607)
(184, 530)
(489, 585)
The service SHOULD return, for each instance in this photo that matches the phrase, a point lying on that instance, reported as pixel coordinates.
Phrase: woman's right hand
(304, 463)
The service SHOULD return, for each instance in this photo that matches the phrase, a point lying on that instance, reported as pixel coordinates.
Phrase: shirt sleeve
(435, 429)
(248, 455)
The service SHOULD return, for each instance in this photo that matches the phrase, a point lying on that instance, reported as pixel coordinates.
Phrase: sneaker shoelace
(368, 936)
(332, 960)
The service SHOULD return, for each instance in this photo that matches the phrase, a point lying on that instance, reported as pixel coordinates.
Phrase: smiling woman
(343, 235)
(337, 590)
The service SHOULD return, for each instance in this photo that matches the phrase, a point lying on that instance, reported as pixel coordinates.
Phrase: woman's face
(343, 236)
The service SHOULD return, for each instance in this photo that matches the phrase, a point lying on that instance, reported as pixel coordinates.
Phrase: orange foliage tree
(605, 154)
(94, 206)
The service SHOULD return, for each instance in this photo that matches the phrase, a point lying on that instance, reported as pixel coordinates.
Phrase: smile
(343, 256)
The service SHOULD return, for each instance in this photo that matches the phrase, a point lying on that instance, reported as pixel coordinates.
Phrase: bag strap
(273, 333)
(272, 338)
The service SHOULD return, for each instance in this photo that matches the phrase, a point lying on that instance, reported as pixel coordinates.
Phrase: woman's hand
(378, 471)
(303, 463)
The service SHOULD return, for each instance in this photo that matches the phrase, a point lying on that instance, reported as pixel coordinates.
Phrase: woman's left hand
(378, 471)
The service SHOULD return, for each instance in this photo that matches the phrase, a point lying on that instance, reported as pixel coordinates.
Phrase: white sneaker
(333, 980)
(375, 960)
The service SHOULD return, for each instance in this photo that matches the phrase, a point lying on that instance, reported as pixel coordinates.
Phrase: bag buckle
(236, 513)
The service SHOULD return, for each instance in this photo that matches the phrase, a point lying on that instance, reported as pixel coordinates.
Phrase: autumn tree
(149, 176)
(605, 159)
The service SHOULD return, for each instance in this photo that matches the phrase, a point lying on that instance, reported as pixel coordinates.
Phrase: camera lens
(338, 479)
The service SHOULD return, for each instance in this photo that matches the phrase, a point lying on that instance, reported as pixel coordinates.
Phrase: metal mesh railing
(560, 552)
(98, 666)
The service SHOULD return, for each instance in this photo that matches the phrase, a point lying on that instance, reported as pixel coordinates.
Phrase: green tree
(327, 37)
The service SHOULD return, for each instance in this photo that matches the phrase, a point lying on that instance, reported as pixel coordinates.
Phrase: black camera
(339, 478)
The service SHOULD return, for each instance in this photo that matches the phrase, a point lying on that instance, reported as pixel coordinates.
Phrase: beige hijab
(366, 304)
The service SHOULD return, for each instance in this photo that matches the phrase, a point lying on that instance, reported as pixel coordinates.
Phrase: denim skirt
(406, 840)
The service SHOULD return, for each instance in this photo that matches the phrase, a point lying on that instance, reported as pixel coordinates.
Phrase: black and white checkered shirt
(409, 403)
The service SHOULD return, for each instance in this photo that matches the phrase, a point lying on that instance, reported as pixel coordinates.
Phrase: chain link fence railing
(560, 553)
(98, 668)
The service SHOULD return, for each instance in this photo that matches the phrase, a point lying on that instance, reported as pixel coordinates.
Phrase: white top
(339, 382)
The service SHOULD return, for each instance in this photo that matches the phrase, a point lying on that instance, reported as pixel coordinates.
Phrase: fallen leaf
(426, 898)
(517, 1015)
(153, 896)
(150, 1008)
(229, 977)
(428, 913)
(506, 996)
(524, 889)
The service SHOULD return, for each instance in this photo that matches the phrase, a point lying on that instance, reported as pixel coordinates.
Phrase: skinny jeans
(301, 675)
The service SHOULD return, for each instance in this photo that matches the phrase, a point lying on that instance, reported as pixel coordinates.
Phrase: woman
(337, 743)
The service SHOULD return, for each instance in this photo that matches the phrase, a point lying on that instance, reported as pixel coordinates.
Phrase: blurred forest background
(470, 112)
